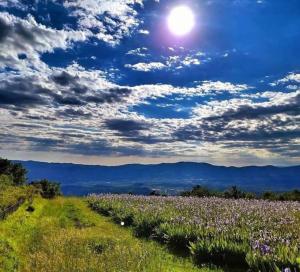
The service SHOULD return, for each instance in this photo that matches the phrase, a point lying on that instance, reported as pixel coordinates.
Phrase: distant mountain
(170, 177)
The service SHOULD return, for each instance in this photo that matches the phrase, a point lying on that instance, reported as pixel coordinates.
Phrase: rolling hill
(79, 179)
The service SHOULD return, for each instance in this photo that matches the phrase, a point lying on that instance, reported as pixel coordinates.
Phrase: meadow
(236, 235)
(64, 235)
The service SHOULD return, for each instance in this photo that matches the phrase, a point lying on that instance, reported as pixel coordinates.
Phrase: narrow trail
(65, 235)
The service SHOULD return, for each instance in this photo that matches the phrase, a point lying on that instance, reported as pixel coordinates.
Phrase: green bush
(47, 189)
(198, 191)
(286, 196)
(235, 193)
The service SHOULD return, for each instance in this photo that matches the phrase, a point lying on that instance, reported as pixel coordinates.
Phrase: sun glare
(181, 20)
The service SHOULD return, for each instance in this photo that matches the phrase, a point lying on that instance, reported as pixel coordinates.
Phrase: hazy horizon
(128, 162)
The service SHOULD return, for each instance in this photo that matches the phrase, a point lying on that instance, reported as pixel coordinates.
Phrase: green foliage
(286, 196)
(156, 193)
(249, 195)
(15, 170)
(269, 195)
(5, 180)
(48, 189)
(199, 191)
(8, 259)
(235, 193)
(232, 192)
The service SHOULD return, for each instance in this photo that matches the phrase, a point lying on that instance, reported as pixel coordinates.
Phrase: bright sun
(181, 20)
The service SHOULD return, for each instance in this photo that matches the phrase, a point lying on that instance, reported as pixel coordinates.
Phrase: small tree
(48, 189)
(154, 193)
(15, 170)
(18, 173)
(234, 192)
(269, 196)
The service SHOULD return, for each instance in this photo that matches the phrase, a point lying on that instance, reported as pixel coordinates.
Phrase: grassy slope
(65, 235)
(9, 195)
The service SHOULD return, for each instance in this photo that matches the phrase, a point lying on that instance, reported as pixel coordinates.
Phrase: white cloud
(172, 62)
(108, 21)
(12, 3)
(26, 36)
(274, 99)
(141, 52)
(146, 67)
(144, 31)
(209, 86)
(142, 92)
(290, 78)
(191, 61)
(112, 19)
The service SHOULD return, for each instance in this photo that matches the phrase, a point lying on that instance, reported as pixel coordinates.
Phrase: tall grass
(64, 235)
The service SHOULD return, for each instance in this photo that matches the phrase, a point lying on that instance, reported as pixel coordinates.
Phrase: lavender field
(236, 234)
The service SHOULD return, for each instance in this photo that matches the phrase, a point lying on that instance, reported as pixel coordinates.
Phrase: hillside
(171, 177)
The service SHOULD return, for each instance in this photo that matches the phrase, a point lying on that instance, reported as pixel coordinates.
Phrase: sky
(111, 82)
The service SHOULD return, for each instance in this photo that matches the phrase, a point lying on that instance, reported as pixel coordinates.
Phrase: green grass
(10, 195)
(65, 235)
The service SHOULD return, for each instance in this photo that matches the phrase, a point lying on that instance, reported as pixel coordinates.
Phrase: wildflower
(122, 223)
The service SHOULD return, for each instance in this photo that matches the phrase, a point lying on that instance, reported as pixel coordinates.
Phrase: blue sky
(108, 82)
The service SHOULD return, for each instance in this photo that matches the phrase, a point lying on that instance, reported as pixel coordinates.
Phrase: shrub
(269, 196)
(286, 196)
(198, 191)
(234, 192)
(48, 189)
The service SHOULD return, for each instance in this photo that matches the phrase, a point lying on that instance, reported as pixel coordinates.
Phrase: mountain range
(77, 179)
